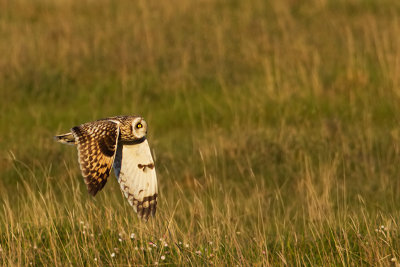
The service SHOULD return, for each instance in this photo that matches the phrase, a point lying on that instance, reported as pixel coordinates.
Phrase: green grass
(274, 126)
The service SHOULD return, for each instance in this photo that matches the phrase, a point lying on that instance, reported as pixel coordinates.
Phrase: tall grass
(274, 126)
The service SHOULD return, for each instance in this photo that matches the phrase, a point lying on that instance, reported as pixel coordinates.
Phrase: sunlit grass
(273, 124)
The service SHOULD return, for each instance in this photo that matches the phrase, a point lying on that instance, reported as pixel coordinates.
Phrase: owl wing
(96, 144)
(134, 169)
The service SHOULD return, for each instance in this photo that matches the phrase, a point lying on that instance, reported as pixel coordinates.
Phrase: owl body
(125, 126)
(119, 142)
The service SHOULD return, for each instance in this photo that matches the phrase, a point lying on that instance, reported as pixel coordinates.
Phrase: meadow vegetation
(274, 126)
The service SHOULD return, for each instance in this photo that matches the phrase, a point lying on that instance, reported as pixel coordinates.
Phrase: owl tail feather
(67, 138)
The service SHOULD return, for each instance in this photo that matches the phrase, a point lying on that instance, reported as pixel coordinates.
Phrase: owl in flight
(118, 142)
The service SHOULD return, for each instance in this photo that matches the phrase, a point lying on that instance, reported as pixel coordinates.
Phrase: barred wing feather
(134, 169)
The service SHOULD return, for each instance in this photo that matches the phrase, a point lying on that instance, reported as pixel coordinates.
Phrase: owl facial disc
(139, 128)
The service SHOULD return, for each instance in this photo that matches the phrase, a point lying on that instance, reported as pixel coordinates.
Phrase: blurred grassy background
(277, 120)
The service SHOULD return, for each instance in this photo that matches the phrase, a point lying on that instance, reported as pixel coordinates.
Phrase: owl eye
(139, 125)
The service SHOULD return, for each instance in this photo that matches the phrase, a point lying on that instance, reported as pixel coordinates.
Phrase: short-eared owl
(119, 142)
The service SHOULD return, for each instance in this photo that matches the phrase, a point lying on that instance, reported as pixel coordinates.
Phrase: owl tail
(67, 138)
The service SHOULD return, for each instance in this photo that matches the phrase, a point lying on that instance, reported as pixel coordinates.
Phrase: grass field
(274, 126)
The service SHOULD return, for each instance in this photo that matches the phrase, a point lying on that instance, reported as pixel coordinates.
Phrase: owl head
(139, 127)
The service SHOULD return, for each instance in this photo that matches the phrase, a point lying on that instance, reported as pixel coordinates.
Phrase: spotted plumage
(118, 142)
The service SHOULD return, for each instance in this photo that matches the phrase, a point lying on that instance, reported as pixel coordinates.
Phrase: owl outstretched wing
(97, 143)
(134, 169)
